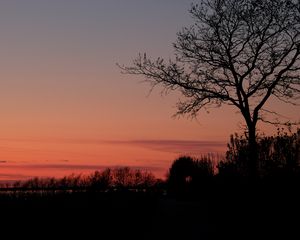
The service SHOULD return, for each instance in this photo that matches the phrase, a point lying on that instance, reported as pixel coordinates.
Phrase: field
(225, 212)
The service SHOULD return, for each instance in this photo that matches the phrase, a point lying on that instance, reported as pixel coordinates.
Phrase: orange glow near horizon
(26, 159)
(65, 106)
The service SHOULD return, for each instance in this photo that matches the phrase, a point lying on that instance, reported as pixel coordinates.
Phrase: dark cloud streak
(74, 167)
(181, 146)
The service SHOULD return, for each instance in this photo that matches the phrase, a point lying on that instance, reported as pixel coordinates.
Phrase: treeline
(278, 162)
(278, 158)
(109, 178)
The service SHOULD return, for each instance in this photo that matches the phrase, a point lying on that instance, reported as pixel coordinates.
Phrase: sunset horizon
(161, 119)
(155, 156)
(67, 107)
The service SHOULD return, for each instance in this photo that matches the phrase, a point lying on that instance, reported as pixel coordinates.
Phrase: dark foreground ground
(237, 212)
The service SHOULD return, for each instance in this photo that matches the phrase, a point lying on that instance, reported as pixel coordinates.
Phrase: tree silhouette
(101, 180)
(181, 173)
(189, 174)
(240, 53)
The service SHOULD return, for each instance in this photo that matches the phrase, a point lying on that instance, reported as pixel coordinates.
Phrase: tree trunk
(253, 151)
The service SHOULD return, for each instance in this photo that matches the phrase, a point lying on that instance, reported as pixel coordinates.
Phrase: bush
(277, 155)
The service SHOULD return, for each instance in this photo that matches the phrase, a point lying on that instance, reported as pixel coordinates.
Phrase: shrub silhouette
(277, 156)
(204, 170)
(236, 158)
(280, 155)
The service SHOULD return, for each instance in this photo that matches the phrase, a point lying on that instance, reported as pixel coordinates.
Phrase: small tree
(187, 173)
(238, 52)
(123, 177)
(101, 180)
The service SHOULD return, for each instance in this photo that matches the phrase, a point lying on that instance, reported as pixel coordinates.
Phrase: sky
(65, 105)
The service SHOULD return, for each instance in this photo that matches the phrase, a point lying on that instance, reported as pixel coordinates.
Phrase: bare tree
(239, 53)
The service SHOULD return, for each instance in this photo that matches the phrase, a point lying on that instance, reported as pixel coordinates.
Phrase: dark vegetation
(240, 53)
(109, 179)
(202, 198)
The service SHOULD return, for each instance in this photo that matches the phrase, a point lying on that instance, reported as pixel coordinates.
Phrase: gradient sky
(65, 106)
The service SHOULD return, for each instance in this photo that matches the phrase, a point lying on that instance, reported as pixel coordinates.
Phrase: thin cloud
(165, 145)
(73, 167)
(178, 146)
